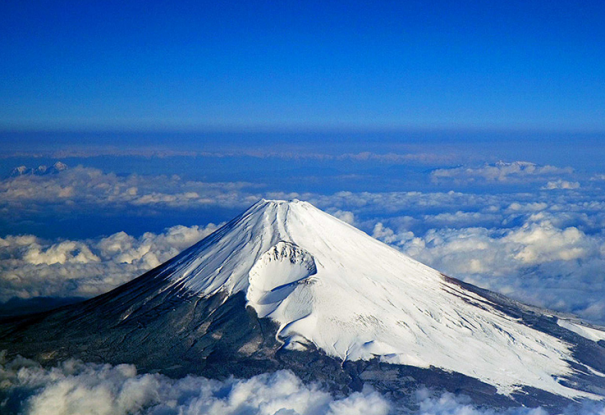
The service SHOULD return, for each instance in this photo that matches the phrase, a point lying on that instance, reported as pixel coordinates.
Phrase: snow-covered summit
(40, 170)
(330, 285)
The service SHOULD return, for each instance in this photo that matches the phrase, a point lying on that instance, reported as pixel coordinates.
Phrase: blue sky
(249, 65)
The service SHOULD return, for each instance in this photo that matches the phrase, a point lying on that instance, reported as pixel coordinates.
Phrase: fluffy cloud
(32, 267)
(78, 388)
(74, 387)
(500, 172)
(449, 404)
(344, 215)
(561, 184)
(40, 170)
(421, 211)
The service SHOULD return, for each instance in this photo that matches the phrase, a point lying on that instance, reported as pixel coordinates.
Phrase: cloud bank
(74, 388)
(101, 389)
(421, 157)
(33, 267)
(500, 172)
(85, 187)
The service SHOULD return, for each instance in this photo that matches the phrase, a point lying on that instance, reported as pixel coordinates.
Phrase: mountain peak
(280, 204)
(280, 201)
(224, 260)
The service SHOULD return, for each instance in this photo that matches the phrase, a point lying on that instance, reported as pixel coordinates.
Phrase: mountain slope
(287, 285)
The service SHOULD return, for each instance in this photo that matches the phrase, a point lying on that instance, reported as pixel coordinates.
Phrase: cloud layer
(85, 187)
(33, 267)
(501, 172)
(77, 388)
(74, 388)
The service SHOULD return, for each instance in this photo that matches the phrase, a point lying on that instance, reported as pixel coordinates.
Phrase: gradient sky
(313, 64)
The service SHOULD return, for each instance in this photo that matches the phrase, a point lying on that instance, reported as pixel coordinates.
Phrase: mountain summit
(285, 285)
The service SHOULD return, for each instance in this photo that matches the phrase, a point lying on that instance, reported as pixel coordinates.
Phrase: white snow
(329, 284)
(587, 332)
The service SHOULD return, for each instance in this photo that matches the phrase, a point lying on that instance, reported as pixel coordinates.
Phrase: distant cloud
(561, 184)
(85, 187)
(598, 177)
(460, 218)
(32, 267)
(301, 154)
(89, 189)
(390, 202)
(500, 172)
(425, 210)
(394, 158)
(344, 215)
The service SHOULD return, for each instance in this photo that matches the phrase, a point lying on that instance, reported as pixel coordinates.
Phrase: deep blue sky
(270, 64)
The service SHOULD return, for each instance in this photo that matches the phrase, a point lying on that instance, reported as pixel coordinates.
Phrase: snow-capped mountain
(285, 285)
(40, 170)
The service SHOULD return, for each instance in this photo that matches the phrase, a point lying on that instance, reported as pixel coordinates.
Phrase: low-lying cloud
(561, 185)
(74, 387)
(101, 389)
(422, 157)
(85, 190)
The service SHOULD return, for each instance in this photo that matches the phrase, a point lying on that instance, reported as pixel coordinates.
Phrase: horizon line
(294, 129)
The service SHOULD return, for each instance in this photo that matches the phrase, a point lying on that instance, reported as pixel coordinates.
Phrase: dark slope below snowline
(20, 307)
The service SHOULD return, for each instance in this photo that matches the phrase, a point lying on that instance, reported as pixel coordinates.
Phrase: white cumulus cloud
(101, 389)
(561, 184)
(74, 388)
(500, 172)
(33, 267)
